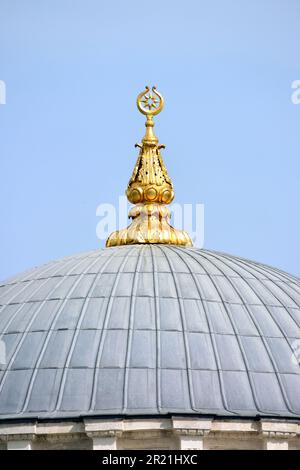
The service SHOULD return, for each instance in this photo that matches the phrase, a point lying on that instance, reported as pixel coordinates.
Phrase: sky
(72, 71)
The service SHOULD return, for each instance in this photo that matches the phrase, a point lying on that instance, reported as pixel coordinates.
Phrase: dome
(150, 330)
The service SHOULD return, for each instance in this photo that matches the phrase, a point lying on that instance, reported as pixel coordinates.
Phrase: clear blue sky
(72, 71)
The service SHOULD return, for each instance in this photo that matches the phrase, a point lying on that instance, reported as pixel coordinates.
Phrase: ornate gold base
(150, 224)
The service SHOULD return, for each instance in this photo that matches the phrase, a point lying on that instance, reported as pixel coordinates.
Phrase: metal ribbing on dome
(150, 330)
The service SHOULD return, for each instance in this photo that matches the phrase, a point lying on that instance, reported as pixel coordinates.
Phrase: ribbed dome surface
(150, 330)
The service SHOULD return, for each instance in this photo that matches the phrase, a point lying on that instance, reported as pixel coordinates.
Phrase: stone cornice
(191, 432)
(93, 434)
(279, 429)
(17, 437)
(279, 435)
(225, 429)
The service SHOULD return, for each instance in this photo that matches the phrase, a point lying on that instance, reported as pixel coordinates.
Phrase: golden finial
(150, 104)
(149, 187)
(154, 102)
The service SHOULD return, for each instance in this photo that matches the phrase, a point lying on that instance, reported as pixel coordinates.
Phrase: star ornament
(150, 102)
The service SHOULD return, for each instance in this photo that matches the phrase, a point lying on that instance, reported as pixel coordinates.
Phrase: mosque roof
(150, 330)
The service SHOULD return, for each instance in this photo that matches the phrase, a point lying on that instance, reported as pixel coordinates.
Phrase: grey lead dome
(150, 330)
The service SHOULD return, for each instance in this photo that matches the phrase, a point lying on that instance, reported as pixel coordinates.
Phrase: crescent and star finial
(150, 103)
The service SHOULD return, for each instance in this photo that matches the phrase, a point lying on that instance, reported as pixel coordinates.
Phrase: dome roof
(150, 330)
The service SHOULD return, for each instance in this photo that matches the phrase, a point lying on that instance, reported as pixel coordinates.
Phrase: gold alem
(150, 188)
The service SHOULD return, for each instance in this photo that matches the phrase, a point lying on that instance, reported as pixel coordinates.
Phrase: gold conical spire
(149, 187)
